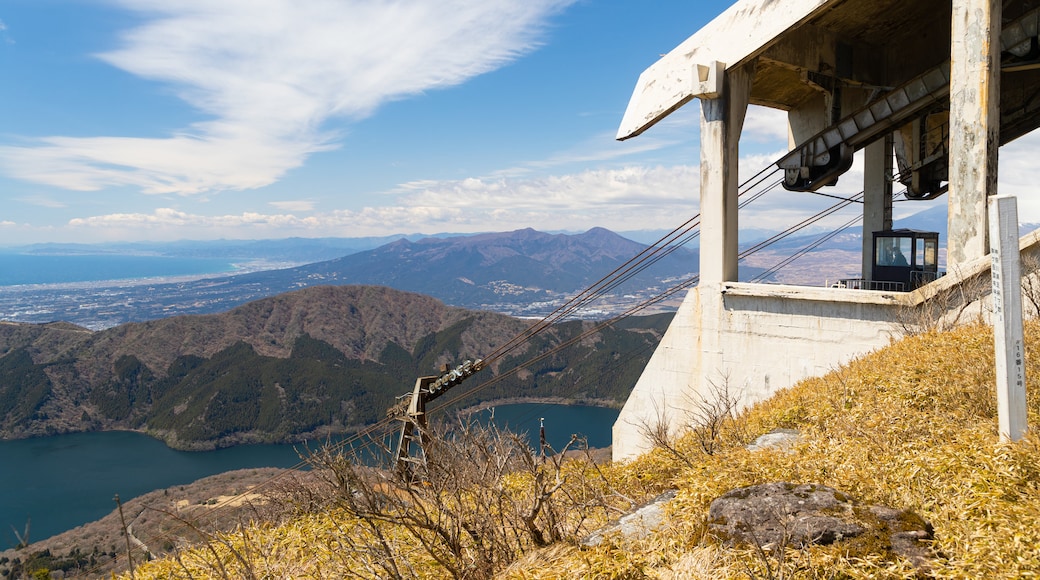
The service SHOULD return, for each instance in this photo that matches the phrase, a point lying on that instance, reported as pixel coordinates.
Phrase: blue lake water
(55, 269)
(65, 481)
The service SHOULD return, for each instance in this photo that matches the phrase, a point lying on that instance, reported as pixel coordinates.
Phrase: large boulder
(773, 516)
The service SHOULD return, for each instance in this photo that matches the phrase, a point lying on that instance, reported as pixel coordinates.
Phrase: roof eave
(740, 33)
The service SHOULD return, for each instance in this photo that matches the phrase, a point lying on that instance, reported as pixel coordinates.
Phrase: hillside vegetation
(298, 365)
(912, 426)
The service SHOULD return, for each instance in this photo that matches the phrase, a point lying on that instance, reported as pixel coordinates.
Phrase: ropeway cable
(649, 256)
(683, 234)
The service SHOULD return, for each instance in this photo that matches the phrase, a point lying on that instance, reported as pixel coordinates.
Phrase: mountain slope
(323, 359)
(501, 272)
(487, 270)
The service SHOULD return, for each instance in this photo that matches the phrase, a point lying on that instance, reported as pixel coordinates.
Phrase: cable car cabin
(904, 259)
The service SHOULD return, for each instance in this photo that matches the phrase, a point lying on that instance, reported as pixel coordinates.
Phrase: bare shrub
(945, 309)
(478, 499)
(711, 413)
(661, 434)
(1031, 282)
(708, 417)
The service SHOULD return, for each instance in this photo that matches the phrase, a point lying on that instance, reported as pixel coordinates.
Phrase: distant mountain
(524, 272)
(488, 270)
(318, 360)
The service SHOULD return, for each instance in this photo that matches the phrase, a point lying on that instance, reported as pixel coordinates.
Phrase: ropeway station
(928, 90)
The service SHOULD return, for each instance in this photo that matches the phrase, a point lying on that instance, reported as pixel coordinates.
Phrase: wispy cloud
(293, 206)
(43, 202)
(268, 75)
(628, 198)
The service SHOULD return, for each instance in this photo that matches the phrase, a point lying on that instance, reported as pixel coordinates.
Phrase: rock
(637, 523)
(777, 439)
(773, 515)
(900, 532)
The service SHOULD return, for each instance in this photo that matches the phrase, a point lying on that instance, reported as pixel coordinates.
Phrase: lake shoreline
(132, 463)
(561, 401)
(325, 432)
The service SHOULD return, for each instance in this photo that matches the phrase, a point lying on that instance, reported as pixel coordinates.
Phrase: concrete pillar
(877, 196)
(722, 119)
(974, 125)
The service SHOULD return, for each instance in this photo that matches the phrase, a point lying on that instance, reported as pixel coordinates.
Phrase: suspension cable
(664, 246)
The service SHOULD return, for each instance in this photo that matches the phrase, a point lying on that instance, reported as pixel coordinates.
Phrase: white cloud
(764, 125)
(630, 198)
(1019, 173)
(269, 74)
(297, 205)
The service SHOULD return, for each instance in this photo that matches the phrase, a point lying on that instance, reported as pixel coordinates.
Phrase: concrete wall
(766, 338)
(758, 339)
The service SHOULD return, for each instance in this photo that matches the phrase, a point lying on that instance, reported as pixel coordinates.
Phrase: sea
(20, 269)
(57, 483)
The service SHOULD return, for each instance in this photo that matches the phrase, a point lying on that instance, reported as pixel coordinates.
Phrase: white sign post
(1007, 317)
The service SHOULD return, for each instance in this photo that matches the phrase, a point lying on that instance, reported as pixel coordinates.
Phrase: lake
(65, 481)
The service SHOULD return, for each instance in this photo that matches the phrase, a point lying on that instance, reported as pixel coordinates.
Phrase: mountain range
(318, 360)
(525, 272)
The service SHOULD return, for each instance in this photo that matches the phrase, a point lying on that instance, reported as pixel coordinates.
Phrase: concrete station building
(937, 85)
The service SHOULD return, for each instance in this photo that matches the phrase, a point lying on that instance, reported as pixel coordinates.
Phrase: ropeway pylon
(413, 434)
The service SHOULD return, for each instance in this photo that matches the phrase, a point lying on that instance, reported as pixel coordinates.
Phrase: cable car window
(893, 252)
(930, 251)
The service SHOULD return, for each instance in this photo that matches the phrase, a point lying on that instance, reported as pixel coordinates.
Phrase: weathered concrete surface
(722, 119)
(877, 197)
(753, 340)
(743, 30)
(974, 125)
(759, 339)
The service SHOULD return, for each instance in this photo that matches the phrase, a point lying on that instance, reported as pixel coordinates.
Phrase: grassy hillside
(911, 426)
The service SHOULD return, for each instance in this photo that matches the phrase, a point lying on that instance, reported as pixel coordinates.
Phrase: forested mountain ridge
(321, 359)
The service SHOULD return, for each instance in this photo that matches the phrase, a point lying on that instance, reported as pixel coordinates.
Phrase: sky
(156, 120)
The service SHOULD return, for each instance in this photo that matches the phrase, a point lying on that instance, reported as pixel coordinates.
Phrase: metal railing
(917, 279)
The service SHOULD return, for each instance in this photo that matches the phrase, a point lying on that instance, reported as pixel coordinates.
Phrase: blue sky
(203, 119)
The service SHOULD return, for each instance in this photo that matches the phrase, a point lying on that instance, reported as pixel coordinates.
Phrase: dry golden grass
(912, 426)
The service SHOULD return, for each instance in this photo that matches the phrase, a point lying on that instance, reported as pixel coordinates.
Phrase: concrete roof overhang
(799, 48)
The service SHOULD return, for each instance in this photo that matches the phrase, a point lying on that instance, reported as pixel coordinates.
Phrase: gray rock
(773, 515)
(904, 532)
(776, 439)
(637, 523)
